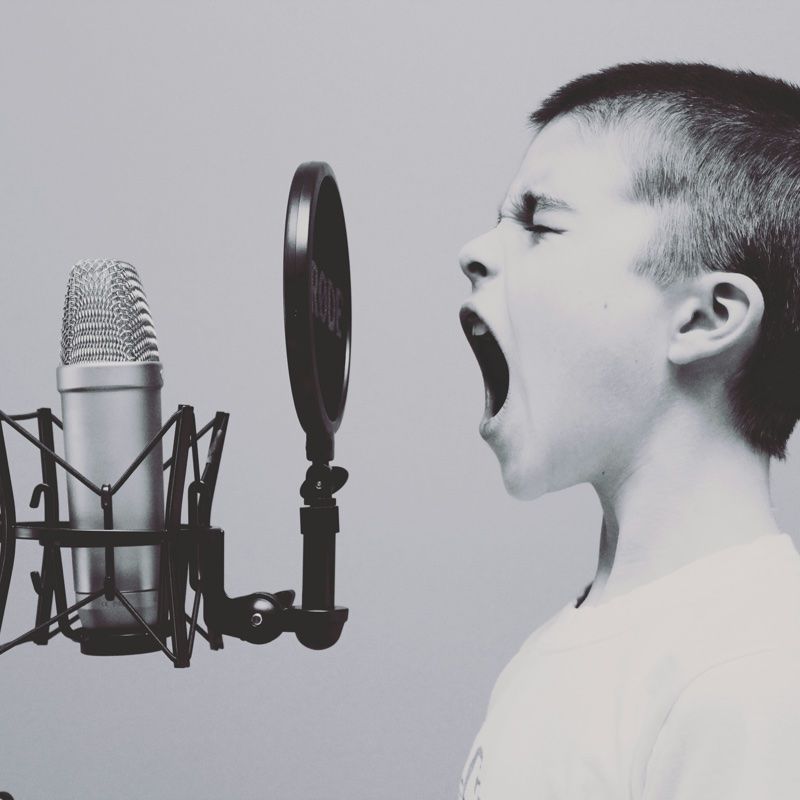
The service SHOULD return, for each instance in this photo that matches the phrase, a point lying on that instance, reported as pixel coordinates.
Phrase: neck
(692, 490)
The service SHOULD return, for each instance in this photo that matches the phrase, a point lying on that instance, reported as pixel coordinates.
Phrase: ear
(716, 312)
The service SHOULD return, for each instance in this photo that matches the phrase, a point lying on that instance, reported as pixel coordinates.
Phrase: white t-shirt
(686, 688)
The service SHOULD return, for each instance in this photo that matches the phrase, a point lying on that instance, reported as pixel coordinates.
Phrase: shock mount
(192, 551)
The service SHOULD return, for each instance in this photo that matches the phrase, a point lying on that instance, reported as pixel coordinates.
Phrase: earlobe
(718, 312)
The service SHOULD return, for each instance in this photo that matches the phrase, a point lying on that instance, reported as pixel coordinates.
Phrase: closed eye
(541, 229)
(522, 212)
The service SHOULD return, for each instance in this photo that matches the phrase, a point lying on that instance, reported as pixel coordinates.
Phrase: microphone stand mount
(192, 552)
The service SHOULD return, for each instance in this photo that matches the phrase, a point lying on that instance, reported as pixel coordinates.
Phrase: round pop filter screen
(317, 308)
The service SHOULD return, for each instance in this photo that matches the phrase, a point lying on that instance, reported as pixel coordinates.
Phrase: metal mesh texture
(106, 316)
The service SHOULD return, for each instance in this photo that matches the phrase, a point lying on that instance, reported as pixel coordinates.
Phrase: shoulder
(749, 684)
(517, 670)
(733, 731)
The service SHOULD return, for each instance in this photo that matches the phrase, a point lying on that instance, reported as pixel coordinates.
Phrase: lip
(489, 425)
(493, 364)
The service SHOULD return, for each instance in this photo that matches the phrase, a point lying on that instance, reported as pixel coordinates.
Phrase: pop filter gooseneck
(317, 318)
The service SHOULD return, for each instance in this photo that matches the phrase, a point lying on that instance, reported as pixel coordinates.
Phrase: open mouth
(491, 360)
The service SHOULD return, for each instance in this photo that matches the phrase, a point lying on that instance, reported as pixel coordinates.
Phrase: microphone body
(110, 412)
(110, 382)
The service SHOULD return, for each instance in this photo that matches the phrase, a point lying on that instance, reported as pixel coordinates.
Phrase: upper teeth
(479, 328)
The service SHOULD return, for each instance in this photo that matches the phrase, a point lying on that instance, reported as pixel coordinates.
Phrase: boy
(636, 317)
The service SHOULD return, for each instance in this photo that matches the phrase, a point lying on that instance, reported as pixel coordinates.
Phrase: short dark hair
(717, 151)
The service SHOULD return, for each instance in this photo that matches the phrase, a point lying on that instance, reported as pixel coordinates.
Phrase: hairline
(640, 144)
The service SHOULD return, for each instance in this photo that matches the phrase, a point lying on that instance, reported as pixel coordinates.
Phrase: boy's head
(642, 273)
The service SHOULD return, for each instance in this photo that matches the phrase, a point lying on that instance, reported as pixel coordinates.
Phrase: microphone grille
(106, 315)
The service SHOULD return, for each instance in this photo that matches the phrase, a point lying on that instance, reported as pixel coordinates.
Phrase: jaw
(521, 460)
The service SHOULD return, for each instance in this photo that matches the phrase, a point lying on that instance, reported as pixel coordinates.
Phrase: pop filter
(316, 304)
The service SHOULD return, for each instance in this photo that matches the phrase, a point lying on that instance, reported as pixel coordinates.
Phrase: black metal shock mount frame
(192, 551)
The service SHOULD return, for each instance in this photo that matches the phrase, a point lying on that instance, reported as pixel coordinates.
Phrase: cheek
(582, 338)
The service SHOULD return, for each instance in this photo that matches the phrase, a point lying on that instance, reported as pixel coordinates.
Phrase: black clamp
(319, 519)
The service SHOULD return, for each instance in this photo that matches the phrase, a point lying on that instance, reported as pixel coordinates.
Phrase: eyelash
(523, 214)
(540, 230)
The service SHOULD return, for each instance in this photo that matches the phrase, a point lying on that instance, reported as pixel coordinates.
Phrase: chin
(533, 477)
(523, 481)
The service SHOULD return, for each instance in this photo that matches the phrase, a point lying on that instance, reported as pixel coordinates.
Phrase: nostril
(475, 269)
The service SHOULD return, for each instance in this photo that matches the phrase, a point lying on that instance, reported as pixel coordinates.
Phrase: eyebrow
(524, 206)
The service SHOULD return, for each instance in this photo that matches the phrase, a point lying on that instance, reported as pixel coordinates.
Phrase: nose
(480, 259)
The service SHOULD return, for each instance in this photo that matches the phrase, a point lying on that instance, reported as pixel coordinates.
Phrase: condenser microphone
(110, 381)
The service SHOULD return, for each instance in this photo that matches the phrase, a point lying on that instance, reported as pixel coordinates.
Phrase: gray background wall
(166, 134)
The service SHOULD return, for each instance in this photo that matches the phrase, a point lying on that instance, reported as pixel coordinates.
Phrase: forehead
(568, 161)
